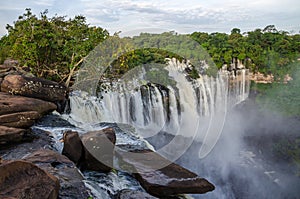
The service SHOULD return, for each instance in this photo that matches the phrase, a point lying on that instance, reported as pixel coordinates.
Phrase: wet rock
(72, 146)
(20, 179)
(11, 135)
(70, 178)
(36, 88)
(20, 119)
(34, 139)
(98, 150)
(160, 177)
(13, 104)
(133, 194)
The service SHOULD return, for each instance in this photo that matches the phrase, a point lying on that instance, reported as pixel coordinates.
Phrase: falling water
(187, 109)
(178, 108)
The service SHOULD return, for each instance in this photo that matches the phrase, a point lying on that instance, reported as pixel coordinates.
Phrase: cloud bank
(181, 16)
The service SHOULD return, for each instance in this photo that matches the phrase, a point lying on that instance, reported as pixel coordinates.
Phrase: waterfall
(185, 107)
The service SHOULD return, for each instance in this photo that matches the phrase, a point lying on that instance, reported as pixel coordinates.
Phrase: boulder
(20, 119)
(36, 88)
(72, 146)
(160, 177)
(13, 104)
(11, 135)
(20, 179)
(10, 63)
(71, 180)
(8, 70)
(98, 149)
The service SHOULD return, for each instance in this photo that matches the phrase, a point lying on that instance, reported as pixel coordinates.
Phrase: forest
(54, 47)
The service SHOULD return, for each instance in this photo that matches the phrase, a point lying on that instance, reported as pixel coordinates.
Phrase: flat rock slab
(11, 135)
(20, 119)
(20, 179)
(160, 177)
(13, 104)
(34, 87)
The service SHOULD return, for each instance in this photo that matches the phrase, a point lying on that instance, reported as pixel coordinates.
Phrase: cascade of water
(177, 109)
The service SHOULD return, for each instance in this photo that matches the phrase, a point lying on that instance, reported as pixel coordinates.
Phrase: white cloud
(178, 15)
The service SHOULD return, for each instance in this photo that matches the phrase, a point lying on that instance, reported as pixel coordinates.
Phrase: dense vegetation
(267, 51)
(50, 47)
(281, 98)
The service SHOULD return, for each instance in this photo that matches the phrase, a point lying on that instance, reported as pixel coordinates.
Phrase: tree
(50, 47)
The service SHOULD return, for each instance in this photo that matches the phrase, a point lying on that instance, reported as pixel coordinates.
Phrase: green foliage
(138, 57)
(281, 98)
(267, 51)
(155, 48)
(159, 76)
(50, 47)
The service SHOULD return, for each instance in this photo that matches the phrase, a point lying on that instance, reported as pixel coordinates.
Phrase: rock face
(170, 179)
(34, 87)
(20, 179)
(11, 135)
(65, 170)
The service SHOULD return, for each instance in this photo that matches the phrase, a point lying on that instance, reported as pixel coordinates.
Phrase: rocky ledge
(161, 178)
(24, 100)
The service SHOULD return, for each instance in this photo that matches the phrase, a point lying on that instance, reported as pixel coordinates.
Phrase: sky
(183, 16)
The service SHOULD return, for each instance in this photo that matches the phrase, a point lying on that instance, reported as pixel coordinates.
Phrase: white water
(191, 108)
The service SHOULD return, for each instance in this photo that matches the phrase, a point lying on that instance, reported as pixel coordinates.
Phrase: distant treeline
(266, 51)
(55, 47)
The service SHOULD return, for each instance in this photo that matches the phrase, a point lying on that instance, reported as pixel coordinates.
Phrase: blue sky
(183, 16)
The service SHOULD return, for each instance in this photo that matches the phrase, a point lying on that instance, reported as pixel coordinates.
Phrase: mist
(244, 162)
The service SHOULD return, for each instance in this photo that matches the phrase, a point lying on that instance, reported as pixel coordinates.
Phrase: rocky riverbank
(31, 167)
